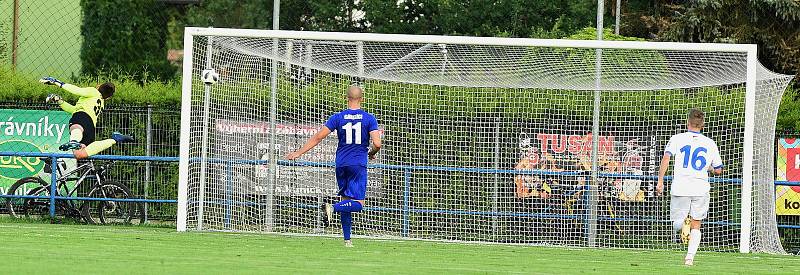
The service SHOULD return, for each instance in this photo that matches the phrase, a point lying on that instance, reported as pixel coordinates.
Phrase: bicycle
(97, 209)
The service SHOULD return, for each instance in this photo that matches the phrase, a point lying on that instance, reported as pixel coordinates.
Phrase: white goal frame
(749, 49)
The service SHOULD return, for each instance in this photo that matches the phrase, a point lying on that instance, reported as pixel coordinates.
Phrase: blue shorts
(352, 181)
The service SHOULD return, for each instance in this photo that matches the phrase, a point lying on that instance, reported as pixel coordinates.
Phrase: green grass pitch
(29, 248)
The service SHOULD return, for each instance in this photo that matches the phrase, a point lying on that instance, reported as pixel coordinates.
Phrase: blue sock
(347, 223)
(347, 206)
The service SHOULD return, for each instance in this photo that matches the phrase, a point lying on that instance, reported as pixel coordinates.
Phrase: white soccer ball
(210, 76)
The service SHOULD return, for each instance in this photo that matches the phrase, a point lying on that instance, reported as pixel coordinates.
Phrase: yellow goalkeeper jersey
(90, 101)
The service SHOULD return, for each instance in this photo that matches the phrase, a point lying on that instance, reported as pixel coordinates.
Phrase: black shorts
(83, 119)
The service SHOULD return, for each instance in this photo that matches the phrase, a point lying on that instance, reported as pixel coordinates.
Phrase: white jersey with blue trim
(695, 155)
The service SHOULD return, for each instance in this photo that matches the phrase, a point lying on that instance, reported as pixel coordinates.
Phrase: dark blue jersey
(352, 128)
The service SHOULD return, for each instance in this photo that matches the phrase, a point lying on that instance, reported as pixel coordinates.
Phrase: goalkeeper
(355, 129)
(84, 117)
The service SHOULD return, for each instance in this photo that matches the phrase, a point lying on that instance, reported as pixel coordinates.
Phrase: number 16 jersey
(352, 129)
(694, 154)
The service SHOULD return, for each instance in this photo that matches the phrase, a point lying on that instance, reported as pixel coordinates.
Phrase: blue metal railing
(53, 158)
(407, 170)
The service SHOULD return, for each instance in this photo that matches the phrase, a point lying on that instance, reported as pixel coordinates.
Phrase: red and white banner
(572, 153)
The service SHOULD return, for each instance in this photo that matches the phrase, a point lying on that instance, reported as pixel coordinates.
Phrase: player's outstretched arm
(375, 136)
(78, 91)
(54, 98)
(82, 92)
(662, 170)
(313, 141)
(49, 80)
(69, 108)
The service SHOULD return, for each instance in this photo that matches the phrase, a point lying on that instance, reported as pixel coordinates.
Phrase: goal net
(485, 139)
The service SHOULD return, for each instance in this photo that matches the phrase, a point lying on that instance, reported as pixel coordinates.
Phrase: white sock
(75, 135)
(694, 243)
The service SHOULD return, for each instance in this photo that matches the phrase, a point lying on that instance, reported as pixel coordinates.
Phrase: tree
(773, 25)
(409, 17)
(510, 18)
(249, 14)
(318, 15)
(127, 37)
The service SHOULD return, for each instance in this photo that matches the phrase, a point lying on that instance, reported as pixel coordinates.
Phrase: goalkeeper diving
(85, 112)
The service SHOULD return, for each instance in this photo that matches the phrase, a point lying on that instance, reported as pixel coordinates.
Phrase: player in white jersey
(695, 155)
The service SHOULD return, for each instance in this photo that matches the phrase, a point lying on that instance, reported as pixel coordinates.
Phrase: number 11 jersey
(352, 128)
(694, 154)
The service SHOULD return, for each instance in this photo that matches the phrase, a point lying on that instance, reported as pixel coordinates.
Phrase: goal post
(486, 139)
(186, 108)
(747, 167)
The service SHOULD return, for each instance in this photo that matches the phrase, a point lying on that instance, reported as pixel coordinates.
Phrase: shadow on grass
(71, 221)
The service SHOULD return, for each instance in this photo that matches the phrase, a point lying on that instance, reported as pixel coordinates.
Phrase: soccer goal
(501, 140)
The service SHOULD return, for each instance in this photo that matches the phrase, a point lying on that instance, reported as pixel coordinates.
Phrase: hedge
(128, 36)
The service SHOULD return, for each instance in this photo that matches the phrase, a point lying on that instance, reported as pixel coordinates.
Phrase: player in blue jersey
(355, 129)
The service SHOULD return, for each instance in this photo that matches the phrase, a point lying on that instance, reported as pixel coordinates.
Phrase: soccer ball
(210, 76)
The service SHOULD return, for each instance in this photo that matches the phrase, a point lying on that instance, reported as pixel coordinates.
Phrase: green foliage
(590, 33)
(20, 88)
(6, 31)
(789, 112)
(616, 62)
(451, 107)
(412, 17)
(319, 15)
(329, 15)
(773, 25)
(507, 18)
(126, 36)
(253, 14)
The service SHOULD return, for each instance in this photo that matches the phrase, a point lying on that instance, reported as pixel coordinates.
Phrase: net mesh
(481, 143)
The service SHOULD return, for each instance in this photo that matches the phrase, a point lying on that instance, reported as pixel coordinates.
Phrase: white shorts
(694, 206)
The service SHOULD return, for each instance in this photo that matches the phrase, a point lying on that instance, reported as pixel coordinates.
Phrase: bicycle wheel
(109, 211)
(29, 207)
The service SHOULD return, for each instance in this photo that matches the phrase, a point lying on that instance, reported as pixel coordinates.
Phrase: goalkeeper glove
(53, 98)
(52, 81)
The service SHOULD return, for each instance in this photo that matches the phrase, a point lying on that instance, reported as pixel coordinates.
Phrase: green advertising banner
(29, 131)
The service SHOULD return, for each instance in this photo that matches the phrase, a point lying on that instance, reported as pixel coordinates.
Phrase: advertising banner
(559, 153)
(250, 141)
(788, 169)
(29, 131)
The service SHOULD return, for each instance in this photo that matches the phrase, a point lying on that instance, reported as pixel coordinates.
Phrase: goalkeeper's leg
(81, 132)
(98, 146)
(75, 137)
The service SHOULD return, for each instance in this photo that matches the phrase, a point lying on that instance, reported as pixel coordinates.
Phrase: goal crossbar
(470, 40)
